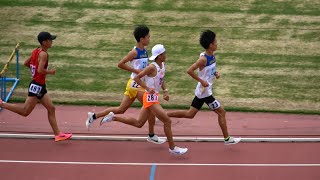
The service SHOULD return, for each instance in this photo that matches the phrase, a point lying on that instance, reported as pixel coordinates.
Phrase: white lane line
(157, 164)
(143, 138)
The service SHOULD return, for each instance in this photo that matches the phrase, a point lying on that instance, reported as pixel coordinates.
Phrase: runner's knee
(139, 124)
(51, 109)
(121, 111)
(167, 121)
(26, 112)
(190, 115)
(221, 113)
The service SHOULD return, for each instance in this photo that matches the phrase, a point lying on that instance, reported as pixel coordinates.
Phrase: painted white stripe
(157, 164)
(143, 138)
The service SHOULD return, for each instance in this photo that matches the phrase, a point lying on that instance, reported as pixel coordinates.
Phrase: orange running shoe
(62, 136)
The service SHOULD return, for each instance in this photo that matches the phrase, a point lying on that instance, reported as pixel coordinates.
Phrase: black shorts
(210, 101)
(36, 89)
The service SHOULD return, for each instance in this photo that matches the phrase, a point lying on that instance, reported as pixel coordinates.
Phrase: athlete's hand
(151, 90)
(217, 74)
(204, 83)
(53, 71)
(166, 96)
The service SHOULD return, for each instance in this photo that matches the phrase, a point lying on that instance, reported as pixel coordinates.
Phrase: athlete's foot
(89, 120)
(62, 136)
(155, 139)
(232, 140)
(107, 118)
(178, 151)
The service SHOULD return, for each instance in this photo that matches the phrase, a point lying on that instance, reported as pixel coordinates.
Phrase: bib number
(35, 89)
(143, 64)
(213, 70)
(214, 105)
(152, 98)
(33, 70)
(134, 85)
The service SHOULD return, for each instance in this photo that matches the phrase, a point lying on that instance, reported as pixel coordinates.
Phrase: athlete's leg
(151, 118)
(23, 110)
(194, 108)
(125, 104)
(222, 121)
(143, 116)
(184, 113)
(47, 103)
(161, 114)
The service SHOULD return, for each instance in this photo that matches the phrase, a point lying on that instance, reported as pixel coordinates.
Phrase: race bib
(214, 105)
(213, 70)
(35, 89)
(134, 84)
(33, 70)
(152, 98)
(143, 64)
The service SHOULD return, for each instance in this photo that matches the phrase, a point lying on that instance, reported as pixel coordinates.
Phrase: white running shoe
(178, 151)
(155, 139)
(89, 120)
(107, 118)
(232, 140)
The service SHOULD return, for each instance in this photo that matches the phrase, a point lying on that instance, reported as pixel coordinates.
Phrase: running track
(123, 160)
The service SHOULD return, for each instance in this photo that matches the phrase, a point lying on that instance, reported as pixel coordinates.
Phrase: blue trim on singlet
(141, 53)
(210, 59)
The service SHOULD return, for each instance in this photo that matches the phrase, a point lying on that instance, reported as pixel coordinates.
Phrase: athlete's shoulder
(133, 53)
(202, 58)
(153, 65)
(43, 55)
(202, 54)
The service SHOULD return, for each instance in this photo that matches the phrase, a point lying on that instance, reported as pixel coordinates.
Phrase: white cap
(156, 51)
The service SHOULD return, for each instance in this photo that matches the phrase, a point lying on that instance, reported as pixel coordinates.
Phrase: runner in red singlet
(38, 64)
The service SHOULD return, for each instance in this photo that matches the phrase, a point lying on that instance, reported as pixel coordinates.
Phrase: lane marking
(143, 138)
(157, 164)
(153, 171)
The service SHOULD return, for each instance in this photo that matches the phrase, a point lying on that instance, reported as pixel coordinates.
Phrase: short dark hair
(206, 38)
(140, 31)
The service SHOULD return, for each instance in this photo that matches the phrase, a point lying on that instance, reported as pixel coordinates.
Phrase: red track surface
(203, 161)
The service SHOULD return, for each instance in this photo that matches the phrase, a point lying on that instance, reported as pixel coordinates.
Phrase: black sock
(227, 138)
(151, 135)
(94, 116)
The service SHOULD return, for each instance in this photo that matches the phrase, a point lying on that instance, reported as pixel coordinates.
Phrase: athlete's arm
(164, 86)
(27, 62)
(43, 58)
(165, 91)
(149, 70)
(201, 63)
(130, 56)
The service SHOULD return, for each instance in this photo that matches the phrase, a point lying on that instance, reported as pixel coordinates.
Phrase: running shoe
(178, 151)
(89, 120)
(155, 139)
(232, 140)
(107, 118)
(62, 136)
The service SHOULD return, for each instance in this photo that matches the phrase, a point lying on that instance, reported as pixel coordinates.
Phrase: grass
(268, 51)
